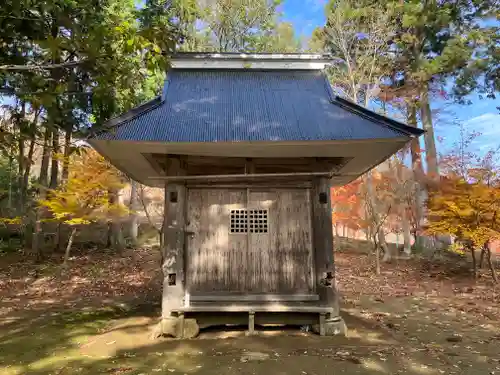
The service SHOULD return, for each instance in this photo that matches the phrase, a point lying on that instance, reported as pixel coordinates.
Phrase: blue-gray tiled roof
(246, 105)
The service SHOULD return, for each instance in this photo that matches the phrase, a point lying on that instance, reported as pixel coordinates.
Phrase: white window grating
(245, 221)
(239, 221)
(258, 221)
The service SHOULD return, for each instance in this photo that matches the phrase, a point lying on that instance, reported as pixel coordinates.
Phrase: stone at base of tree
(334, 326)
(454, 338)
(254, 356)
(171, 327)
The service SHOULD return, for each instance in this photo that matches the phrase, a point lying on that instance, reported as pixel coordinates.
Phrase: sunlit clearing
(374, 366)
(58, 359)
(371, 337)
(419, 368)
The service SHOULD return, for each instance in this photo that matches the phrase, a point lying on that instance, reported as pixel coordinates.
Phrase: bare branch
(68, 64)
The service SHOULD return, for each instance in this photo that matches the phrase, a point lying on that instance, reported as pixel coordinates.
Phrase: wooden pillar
(251, 322)
(174, 238)
(323, 244)
(322, 324)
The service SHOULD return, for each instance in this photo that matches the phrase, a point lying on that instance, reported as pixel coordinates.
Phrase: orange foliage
(355, 207)
(466, 202)
(347, 205)
(469, 210)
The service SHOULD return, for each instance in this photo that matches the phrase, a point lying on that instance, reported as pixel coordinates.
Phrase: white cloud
(486, 119)
(488, 124)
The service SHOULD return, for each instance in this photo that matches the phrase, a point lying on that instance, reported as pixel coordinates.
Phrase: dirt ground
(417, 317)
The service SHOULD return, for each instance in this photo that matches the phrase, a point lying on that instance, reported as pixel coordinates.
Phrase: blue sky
(481, 116)
(304, 14)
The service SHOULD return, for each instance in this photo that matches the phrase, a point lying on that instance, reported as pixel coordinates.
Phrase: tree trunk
(67, 153)
(481, 256)
(115, 236)
(42, 181)
(375, 218)
(430, 143)
(68, 247)
(490, 265)
(20, 172)
(377, 256)
(54, 167)
(35, 239)
(416, 156)
(9, 192)
(403, 206)
(162, 247)
(58, 243)
(418, 175)
(109, 237)
(383, 246)
(27, 171)
(134, 219)
(44, 166)
(406, 234)
(24, 172)
(474, 262)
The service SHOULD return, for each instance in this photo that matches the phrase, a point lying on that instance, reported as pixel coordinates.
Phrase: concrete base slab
(176, 327)
(332, 326)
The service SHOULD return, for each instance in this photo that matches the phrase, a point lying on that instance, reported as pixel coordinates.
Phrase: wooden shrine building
(247, 148)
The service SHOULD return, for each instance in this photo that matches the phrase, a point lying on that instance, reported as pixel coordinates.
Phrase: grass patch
(31, 343)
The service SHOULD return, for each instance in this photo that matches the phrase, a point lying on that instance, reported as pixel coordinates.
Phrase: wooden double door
(245, 241)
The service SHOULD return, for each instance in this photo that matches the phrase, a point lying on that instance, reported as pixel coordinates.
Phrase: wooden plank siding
(293, 243)
(276, 262)
(213, 260)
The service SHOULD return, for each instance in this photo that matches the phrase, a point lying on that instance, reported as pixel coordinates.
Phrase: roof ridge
(251, 56)
(312, 115)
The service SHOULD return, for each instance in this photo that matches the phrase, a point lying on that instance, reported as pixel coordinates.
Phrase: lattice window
(239, 221)
(253, 221)
(258, 221)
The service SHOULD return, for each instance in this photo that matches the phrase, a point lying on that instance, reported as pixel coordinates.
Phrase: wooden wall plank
(279, 261)
(216, 256)
(323, 245)
(174, 237)
(261, 247)
(194, 248)
(293, 241)
(238, 245)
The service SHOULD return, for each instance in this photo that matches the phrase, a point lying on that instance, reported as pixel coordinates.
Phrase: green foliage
(316, 43)
(8, 182)
(358, 35)
(235, 26)
(281, 39)
(428, 42)
(112, 57)
(436, 40)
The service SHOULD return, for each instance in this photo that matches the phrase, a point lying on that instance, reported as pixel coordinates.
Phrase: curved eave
(127, 116)
(375, 117)
(132, 157)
